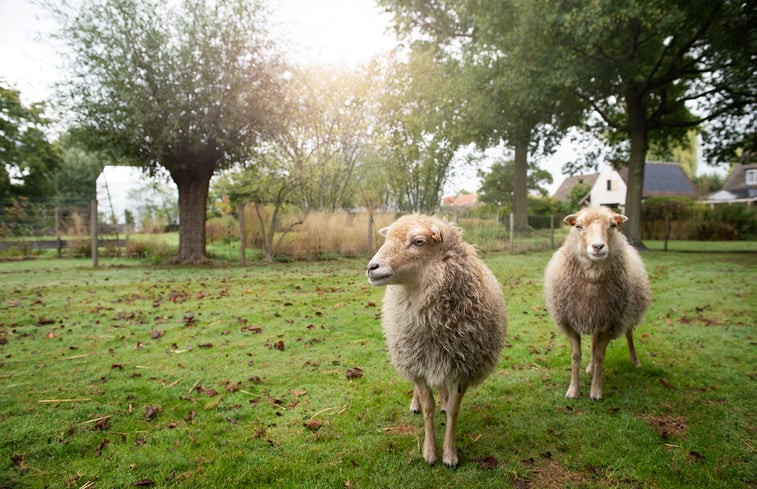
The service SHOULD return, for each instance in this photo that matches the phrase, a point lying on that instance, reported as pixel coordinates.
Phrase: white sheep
(444, 317)
(596, 284)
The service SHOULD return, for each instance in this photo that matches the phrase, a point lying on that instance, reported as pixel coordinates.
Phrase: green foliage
(497, 185)
(420, 128)
(741, 218)
(235, 377)
(28, 160)
(673, 208)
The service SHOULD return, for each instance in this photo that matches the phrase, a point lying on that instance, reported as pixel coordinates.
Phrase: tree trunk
(520, 187)
(636, 162)
(193, 197)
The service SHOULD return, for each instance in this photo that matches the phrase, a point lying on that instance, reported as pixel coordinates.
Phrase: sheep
(443, 316)
(596, 284)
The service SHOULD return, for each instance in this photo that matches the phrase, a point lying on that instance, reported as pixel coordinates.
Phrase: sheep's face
(411, 242)
(595, 229)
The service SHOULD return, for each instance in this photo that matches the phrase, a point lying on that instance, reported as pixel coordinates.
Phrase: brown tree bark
(192, 183)
(520, 187)
(637, 160)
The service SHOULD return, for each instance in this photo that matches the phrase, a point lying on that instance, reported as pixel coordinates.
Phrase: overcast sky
(318, 31)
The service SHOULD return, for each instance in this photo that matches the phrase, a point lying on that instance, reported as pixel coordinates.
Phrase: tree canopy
(29, 160)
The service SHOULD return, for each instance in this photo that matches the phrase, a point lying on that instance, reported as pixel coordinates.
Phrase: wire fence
(67, 229)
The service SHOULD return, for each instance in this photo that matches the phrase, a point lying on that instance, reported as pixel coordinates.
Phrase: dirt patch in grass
(548, 473)
(668, 426)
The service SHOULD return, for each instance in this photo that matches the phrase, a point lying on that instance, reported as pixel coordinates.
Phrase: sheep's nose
(372, 266)
(598, 246)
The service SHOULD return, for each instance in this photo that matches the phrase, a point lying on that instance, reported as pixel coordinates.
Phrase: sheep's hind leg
(415, 404)
(443, 399)
(598, 359)
(632, 350)
(426, 398)
(454, 397)
(575, 364)
(590, 367)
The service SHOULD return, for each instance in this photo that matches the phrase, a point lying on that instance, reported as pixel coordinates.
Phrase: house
(461, 201)
(660, 179)
(562, 193)
(739, 187)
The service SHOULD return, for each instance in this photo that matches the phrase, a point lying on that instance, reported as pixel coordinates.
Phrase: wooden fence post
(93, 230)
(59, 244)
(242, 236)
(512, 231)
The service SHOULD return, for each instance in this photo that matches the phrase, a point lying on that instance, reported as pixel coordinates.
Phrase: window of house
(751, 177)
(612, 185)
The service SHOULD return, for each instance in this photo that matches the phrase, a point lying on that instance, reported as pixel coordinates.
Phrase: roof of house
(664, 179)
(737, 178)
(462, 200)
(563, 191)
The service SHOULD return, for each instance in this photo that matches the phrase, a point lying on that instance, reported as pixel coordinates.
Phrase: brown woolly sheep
(444, 317)
(596, 284)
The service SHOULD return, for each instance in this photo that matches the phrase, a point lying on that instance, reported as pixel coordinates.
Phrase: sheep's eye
(613, 225)
(419, 241)
(579, 227)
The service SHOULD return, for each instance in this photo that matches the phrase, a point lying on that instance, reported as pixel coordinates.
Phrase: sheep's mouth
(378, 278)
(598, 255)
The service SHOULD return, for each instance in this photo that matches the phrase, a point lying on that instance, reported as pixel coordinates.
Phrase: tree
(29, 160)
(511, 93)
(419, 129)
(189, 86)
(312, 165)
(651, 70)
(497, 184)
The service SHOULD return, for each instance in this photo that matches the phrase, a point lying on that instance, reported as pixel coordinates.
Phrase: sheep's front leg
(426, 398)
(598, 359)
(575, 364)
(454, 397)
(631, 350)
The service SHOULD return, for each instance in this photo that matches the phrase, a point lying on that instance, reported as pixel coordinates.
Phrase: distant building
(563, 192)
(660, 179)
(459, 202)
(609, 186)
(739, 187)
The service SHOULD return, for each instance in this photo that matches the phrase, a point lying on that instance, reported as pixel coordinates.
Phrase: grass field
(221, 376)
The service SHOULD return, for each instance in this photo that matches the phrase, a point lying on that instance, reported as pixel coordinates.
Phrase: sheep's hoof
(450, 460)
(430, 459)
(573, 393)
(596, 396)
(415, 407)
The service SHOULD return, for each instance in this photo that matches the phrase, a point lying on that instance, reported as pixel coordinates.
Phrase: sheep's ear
(383, 231)
(436, 234)
(620, 219)
(571, 219)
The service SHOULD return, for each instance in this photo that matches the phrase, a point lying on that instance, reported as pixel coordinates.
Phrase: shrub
(222, 229)
(716, 231)
(741, 218)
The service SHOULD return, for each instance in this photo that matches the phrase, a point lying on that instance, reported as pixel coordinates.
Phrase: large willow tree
(187, 85)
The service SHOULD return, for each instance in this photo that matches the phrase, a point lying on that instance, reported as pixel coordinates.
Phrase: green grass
(229, 409)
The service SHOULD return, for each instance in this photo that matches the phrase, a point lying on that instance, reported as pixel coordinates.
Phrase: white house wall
(616, 196)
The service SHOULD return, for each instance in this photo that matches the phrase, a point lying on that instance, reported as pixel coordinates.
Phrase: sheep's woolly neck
(588, 297)
(450, 328)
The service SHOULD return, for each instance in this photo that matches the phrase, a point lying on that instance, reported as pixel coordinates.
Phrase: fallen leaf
(213, 403)
(313, 425)
(521, 484)
(150, 412)
(665, 383)
(157, 334)
(487, 462)
(143, 483)
(43, 321)
(696, 455)
(102, 424)
(101, 446)
(205, 345)
(354, 373)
